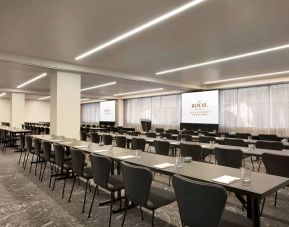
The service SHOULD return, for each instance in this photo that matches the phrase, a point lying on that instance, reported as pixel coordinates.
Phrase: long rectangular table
(261, 186)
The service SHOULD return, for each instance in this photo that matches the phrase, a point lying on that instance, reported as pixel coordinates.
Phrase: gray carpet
(25, 201)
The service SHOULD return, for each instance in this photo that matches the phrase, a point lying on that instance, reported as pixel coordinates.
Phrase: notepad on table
(126, 157)
(66, 142)
(226, 179)
(164, 165)
(175, 143)
(99, 151)
(80, 146)
(55, 140)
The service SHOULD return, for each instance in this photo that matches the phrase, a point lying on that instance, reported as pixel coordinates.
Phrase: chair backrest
(77, 160)
(94, 137)
(135, 133)
(28, 143)
(269, 137)
(191, 150)
(37, 146)
(173, 131)
(46, 150)
(100, 169)
(228, 157)
(200, 204)
(243, 135)
(276, 164)
(46, 131)
(188, 132)
(22, 141)
(159, 130)
(120, 141)
(107, 139)
(186, 137)
(151, 134)
(166, 135)
(83, 136)
(206, 139)
(138, 143)
(269, 145)
(59, 151)
(137, 182)
(235, 142)
(162, 147)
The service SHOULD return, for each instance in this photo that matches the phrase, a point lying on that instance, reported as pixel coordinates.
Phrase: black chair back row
(191, 150)
(138, 143)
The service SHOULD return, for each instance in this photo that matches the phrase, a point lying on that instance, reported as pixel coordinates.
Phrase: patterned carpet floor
(25, 201)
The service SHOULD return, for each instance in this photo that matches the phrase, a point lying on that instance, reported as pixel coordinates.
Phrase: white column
(119, 112)
(65, 104)
(17, 109)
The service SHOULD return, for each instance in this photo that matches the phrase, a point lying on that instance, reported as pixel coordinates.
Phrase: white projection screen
(200, 107)
(107, 111)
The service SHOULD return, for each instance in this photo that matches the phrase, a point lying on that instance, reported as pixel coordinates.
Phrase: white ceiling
(60, 30)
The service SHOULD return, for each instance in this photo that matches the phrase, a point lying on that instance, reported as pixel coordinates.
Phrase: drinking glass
(137, 153)
(179, 161)
(212, 144)
(246, 175)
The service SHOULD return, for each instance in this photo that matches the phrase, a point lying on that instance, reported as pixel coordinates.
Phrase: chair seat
(67, 165)
(115, 182)
(231, 219)
(87, 173)
(159, 197)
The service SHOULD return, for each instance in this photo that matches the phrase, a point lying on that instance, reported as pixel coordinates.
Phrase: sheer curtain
(262, 109)
(163, 111)
(90, 113)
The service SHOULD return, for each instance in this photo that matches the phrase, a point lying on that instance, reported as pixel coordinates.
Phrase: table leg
(253, 210)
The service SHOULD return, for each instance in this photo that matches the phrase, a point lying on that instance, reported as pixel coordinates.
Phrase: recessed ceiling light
(247, 77)
(143, 27)
(225, 59)
(84, 99)
(2, 94)
(32, 80)
(137, 92)
(44, 98)
(93, 100)
(98, 86)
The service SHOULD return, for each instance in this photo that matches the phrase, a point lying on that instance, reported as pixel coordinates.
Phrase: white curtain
(90, 113)
(262, 109)
(163, 111)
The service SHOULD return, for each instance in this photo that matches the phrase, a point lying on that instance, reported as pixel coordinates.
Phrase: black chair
(79, 170)
(37, 152)
(275, 165)
(151, 135)
(203, 204)
(185, 137)
(83, 136)
(138, 190)
(47, 157)
(191, 150)
(243, 135)
(235, 142)
(138, 143)
(21, 146)
(166, 136)
(228, 157)
(159, 130)
(94, 137)
(162, 147)
(135, 133)
(268, 137)
(120, 141)
(28, 150)
(269, 145)
(101, 167)
(107, 139)
(65, 166)
(188, 132)
(173, 131)
(206, 139)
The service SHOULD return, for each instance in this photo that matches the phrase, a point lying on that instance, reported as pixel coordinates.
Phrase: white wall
(36, 111)
(4, 110)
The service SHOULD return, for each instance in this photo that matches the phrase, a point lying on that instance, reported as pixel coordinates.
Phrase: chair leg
(43, 171)
(153, 218)
(20, 157)
(26, 160)
(275, 203)
(252, 163)
(31, 163)
(260, 162)
(71, 190)
(40, 171)
(36, 164)
(142, 218)
(262, 206)
(96, 189)
(112, 201)
(83, 208)
(51, 172)
(125, 211)
(63, 188)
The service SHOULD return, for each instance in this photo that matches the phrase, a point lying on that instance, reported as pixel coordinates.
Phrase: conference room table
(261, 186)
(13, 132)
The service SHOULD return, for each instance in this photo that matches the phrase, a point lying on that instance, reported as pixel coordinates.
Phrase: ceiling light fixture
(143, 27)
(32, 80)
(225, 59)
(2, 94)
(98, 86)
(137, 92)
(44, 98)
(84, 99)
(247, 77)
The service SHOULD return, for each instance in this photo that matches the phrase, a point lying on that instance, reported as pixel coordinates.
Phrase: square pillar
(17, 109)
(65, 104)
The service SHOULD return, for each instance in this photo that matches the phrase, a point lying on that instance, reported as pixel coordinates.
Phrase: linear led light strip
(224, 59)
(32, 80)
(137, 92)
(44, 98)
(247, 77)
(141, 28)
(2, 94)
(98, 86)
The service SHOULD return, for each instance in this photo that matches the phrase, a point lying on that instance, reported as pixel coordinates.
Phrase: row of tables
(260, 187)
